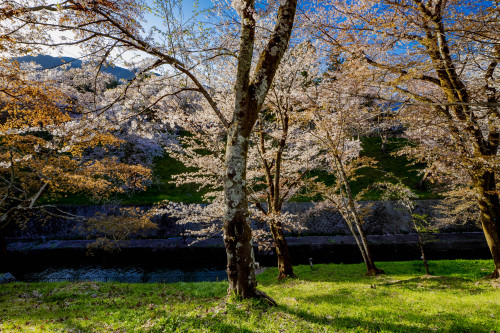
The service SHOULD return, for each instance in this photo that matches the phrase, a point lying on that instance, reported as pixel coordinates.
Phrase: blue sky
(188, 6)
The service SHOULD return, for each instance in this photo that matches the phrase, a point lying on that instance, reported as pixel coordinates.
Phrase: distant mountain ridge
(47, 61)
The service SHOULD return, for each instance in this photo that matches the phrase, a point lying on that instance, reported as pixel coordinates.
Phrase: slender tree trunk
(351, 222)
(356, 238)
(421, 247)
(421, 183)
(370, 263)
(362, 242)
(420, 242)
(274, 202)
(351, 210)
(489, 207)
(383, 146)
(285, 268)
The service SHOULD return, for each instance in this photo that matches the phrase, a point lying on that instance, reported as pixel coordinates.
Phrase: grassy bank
(165, 167)
(326, 298)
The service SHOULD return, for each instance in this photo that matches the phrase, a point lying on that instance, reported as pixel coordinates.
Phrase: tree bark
(372, 269)
(489, 207)
(351, 214)
(383, 145)
(275, 203)
(250, 93)
(421, 183)
(455, 91)
(237, 231)
(285, 268)
(362, 242)
(424, 258)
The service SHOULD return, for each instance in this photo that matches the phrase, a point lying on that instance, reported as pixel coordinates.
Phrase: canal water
(99, 273)
(158, 262)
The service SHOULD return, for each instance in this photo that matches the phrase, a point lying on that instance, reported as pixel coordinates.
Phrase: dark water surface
(160, 261)
(100, 273)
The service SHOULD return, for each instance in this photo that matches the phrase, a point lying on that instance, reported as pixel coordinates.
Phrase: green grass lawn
(327, 298)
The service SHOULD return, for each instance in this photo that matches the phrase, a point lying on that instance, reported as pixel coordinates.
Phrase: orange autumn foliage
(45, 145)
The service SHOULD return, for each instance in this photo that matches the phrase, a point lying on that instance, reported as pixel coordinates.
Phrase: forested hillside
(48, 62)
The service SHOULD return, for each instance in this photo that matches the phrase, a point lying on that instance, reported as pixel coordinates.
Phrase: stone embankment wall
(383, 217)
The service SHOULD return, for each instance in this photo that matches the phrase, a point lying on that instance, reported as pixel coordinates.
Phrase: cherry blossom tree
(420, 222)
(108, 26)
(284, 150)
(333, 109)
(281, 153)
(46, 138)
(442, 56)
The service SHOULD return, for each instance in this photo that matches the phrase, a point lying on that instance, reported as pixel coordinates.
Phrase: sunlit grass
(327, 298)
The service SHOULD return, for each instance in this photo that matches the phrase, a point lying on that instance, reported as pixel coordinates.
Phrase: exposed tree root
(375, 272)
(286, 276)
(264, 296)
(492, 276)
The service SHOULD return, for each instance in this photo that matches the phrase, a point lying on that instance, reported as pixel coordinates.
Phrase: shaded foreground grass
(327, 298)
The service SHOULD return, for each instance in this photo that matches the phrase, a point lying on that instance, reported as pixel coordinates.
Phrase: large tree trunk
(489, 207)
(237, 231)
(285, 268)
(249, 98)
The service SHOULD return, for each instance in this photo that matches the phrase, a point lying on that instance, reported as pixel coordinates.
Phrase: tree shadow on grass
(80, 308)
(161, 323)
(356, 273)
(319, 273)
(169, 324)
(385, 306)
(378, 293)
(419, 323)
(427, 282)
